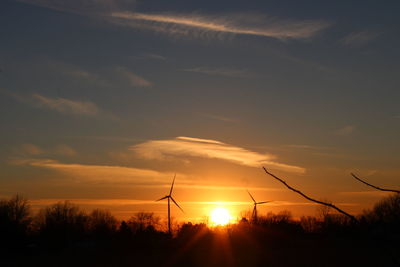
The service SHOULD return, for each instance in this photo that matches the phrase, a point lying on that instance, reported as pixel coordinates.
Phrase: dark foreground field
(223, 247)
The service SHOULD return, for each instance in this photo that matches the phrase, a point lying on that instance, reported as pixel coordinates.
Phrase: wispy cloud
(28, 150)
(64, 150)
(108, 138)
(132, 78)
(206, 26)
(66, 71)
(191, 24)
(346, 130)
(204, 148)
(302, 147)
(35, 150)
(228, 72)
(107, 76)
(366, 193)
(143, 178)
(71, 70)
(200, 140)
(154, 56)
(84, 7)
(359, 38)
(83, 74)
(65, 105)
(62, 105)
(218, 117)
(307, 147)
(100, 173)
(94, 202)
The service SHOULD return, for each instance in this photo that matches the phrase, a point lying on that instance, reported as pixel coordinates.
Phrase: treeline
(65, 222)
(65, 227)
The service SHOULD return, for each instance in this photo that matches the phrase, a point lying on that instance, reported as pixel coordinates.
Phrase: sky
(102, 102)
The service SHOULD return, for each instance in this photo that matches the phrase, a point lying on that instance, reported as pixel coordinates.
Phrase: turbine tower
(169, 197)
(254, 215)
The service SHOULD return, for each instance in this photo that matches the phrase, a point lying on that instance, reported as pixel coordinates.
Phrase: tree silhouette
(102, 224)
(62, 223)
(142, 221)
(14, 220)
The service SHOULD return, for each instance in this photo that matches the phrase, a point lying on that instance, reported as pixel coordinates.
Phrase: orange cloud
(101, 173)
(204, 148)
(143, 178)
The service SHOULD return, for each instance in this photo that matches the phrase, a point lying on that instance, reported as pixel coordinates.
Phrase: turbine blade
(251, 196)
(263, 202)
(173, 200)
(172, 186)
(162, 198)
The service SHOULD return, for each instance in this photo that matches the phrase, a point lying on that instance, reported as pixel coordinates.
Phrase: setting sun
(220, 216)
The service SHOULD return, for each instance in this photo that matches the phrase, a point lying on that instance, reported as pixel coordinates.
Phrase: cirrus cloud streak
(209, 26)
(213, 26)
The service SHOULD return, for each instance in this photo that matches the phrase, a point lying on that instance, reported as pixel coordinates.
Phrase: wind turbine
(254, 215)
(169, 197)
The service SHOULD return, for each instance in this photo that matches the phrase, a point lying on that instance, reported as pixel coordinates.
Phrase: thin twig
(311, 199)
(376, 187)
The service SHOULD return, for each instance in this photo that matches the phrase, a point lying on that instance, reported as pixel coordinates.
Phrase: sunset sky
(103, 101)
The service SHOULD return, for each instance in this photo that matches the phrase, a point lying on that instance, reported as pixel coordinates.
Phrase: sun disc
(220, 216)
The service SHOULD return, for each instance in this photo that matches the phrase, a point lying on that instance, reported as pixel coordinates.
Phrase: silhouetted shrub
(143, 221)
(62, 223)
(384, 218)
(280, 224)
(188, 230)
(386, 210)
(310, 224)
(282, 218)
(14, 220)
(123, 234)
(336, 224)
(101, 224)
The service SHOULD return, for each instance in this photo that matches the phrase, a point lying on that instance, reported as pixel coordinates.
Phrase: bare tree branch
(373, 186)
(311, 199)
